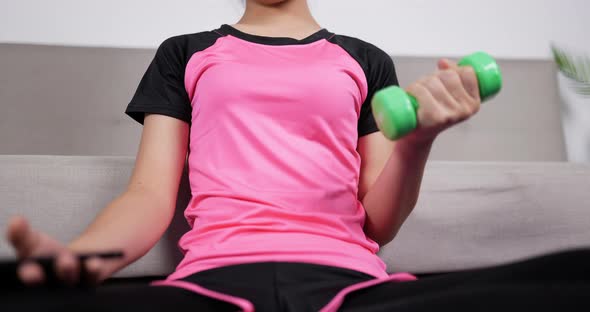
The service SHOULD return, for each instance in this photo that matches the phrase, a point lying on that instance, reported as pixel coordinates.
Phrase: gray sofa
(469, 214)
(495, 189)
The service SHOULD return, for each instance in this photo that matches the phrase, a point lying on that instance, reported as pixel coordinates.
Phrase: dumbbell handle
(395, 111)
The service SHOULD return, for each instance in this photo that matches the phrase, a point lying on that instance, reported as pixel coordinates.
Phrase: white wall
(505, 28)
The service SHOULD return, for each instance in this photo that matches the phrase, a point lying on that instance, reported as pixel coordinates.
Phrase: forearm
(132, 223)
(392, 197)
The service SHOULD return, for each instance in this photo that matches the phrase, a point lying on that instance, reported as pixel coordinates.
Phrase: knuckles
(418, 90)
(467, 72)
(435, 87)
(450, 77)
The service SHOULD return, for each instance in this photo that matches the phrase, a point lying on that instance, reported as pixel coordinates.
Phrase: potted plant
(573, 79)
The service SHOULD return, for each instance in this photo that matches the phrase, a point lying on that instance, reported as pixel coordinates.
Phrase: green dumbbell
(395, 110)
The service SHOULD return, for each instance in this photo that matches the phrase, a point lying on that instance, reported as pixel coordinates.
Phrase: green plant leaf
(575, 67)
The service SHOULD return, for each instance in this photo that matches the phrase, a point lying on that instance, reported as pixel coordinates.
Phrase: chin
(267, 2)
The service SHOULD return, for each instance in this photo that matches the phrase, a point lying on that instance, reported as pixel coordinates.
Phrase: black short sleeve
(379, 70)
(161, 89)
(381, 74)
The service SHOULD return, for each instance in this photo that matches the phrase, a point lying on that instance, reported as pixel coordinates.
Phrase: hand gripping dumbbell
(395, 110)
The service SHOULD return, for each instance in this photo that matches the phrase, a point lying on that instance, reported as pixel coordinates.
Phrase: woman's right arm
(133, 222)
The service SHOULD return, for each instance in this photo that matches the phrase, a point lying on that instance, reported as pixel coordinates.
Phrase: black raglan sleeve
(380, 74)
(161, 89)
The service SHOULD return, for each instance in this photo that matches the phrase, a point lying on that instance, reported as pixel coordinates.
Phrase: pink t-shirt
(274, 126)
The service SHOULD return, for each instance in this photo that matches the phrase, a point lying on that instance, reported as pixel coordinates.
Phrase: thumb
(22, 237)
(445, 63)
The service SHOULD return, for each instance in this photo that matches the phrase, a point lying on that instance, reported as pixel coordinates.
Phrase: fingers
(461, 82)
(27, 243)
(31, 274)
(70, 271)
(429, 114)
(93, 268)
(441, 90)
(466, 73)
(444, 64)
(464, 104)
(63, 264)
(22, 237)
(67, 268)
(470, 82)
(444, 98)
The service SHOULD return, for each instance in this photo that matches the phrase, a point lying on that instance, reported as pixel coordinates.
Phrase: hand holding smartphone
(9, 269)
(43, 260)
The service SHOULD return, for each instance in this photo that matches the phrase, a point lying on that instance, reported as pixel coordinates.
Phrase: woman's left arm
(391, 171)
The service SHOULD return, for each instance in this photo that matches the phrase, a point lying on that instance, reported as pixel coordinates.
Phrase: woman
(293, 187)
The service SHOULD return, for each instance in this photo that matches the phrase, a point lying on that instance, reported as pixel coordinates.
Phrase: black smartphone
(8, 268)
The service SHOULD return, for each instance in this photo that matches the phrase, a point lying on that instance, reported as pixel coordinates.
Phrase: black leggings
(554, 282)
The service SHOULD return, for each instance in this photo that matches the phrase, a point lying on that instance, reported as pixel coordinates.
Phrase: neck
(291, 18)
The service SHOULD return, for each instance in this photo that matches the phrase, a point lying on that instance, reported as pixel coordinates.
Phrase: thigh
(124, 297)
(280, 286)
(545, 282)
(550, 297)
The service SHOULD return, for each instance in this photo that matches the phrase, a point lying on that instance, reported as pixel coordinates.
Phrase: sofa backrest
(71, 101)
